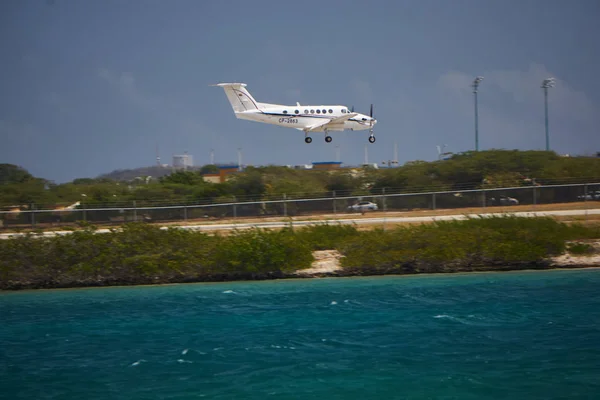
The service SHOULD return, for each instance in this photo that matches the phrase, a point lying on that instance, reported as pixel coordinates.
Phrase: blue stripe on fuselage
(307, 116)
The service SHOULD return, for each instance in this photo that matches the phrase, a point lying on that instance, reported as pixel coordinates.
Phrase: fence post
(284, 205)
(185, 212)
(134, 212)
(433, 201)
(84, 215)
(384, 200)
(585, 191)
(234, 207)
(32, 208)
(334, 205)
(534, 196)
(483, 197)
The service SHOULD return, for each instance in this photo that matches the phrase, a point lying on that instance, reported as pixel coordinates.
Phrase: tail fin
(240, 99)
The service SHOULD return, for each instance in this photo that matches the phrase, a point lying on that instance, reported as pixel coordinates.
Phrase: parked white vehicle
(504, 201)
(363, 206)
(590, 196)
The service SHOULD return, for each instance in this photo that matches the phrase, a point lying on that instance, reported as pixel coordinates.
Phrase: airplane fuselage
(304, 117)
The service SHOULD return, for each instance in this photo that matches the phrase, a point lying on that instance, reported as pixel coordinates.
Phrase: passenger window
(330, 111)
(297, 112)
(305, 111)
(312, 111)
(285, 111)
(343, 111)
(318, 111)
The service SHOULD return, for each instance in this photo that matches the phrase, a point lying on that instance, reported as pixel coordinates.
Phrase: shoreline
(326, 265)
(300, 278)
(140, 255)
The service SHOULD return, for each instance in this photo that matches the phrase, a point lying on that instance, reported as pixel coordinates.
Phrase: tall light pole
(440, 150)
(475, 87)
(547, 83)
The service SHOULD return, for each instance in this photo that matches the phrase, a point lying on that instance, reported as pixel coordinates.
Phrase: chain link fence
(287, 206)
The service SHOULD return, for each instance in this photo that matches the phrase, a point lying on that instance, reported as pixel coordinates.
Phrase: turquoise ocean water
(525, 335)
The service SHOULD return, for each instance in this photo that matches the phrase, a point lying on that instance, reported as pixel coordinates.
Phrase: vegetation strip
(145, 254)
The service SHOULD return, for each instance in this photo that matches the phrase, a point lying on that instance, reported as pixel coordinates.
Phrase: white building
(183, 161)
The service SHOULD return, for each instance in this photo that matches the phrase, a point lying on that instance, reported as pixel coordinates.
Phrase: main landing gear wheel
(372, 139)
(328, 139)
(308, 139)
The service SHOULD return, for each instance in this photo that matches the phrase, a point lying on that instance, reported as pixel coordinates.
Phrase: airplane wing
(334, 121)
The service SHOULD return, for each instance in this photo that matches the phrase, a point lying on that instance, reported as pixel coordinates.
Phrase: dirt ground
(585, 219)
(414, 213)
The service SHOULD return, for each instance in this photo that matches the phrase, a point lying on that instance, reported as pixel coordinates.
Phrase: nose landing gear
(372, 137)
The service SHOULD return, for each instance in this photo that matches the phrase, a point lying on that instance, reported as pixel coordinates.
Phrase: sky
(87, 87)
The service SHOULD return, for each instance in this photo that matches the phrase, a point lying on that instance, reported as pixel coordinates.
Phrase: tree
(248, 184)
(209, 169)
(10, 173)
(183, 178)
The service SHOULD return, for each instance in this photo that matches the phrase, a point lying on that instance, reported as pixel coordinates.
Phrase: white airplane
(304, 118)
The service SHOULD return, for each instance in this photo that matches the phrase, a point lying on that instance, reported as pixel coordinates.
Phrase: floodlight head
(476, 83)
(548, 83)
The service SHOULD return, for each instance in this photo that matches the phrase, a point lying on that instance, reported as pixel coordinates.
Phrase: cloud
(524, 89)
(511, 107)
(125, 83)
(293, 94)
(185, 127)
(362, 90)
(21, 132)
(57, 101)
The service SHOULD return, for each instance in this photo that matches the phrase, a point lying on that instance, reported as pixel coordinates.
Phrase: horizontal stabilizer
(229, 84)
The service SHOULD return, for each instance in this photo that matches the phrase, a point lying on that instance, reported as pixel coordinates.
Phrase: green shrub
(463, 244)
(257, 250)
(580, 248)
(325, 236)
